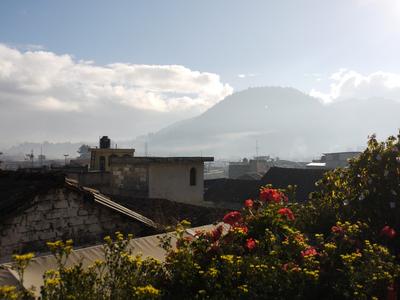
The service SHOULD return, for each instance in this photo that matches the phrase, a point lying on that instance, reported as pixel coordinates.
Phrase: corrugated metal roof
(107, 202)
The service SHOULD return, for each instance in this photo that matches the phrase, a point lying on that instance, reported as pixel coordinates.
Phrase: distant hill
(284, 121)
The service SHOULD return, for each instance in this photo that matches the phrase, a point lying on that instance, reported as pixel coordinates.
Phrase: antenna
(256, 149)
(30, 157)
(146, 149)
(41, 155)
(65, 159)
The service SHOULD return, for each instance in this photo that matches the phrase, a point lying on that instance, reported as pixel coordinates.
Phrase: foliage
(368, 190)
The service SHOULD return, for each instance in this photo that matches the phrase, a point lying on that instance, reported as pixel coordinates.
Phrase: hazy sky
(130, 67)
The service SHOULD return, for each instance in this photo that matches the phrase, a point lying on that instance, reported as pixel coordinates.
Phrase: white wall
(172, 182)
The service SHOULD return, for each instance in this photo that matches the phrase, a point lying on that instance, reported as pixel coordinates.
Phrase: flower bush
(368, 190)
(341, 245)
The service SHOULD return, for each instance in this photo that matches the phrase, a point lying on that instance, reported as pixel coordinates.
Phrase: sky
(72, 70)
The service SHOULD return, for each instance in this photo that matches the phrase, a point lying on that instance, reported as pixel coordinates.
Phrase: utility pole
(30, 157)
(256, 149)
(1, 153)
(65, 159)
(146, 153)
(41, 155)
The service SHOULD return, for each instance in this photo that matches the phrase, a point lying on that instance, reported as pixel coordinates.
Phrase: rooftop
(343, 152)
(148, 160)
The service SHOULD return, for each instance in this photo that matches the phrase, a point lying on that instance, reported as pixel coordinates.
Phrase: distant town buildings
(333, 160)
(257, 167)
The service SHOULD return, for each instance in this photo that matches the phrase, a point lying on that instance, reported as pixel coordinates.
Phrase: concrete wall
(172, 182)
(61, 214)
(107, 153)
(97, 180)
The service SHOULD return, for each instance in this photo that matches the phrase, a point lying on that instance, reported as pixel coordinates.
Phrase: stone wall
(62, 213)
(130, 180)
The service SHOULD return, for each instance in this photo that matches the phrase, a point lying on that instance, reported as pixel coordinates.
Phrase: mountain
(284, 121)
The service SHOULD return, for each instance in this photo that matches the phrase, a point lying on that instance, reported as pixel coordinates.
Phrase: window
(193, 176)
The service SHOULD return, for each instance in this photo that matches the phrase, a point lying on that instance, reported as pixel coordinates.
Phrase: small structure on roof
(100, 157)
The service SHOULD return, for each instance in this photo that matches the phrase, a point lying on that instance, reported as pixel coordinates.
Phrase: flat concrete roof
(154, 159)
(112, 149)
(343, 152)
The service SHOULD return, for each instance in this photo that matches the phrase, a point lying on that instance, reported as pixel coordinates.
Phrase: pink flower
(251, 243)
(248, 203)
(286, 212)
(309, 252)
(232, 218)
(388, 232)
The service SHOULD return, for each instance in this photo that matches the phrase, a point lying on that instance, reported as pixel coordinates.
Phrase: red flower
(251, 243)
(309, 252)
(286, 212)
(248, 203)
(336, 229)
(272, 195)
(232, 218)
(388, 232)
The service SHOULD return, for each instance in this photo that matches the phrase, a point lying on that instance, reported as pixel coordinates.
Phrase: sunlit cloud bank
(347, 84)
(47, 81)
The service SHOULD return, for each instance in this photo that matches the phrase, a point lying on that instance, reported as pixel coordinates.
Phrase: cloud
(346, 84)
(48, 81)
(47, 96)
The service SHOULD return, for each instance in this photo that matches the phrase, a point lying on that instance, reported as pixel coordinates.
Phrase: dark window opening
(193, 176)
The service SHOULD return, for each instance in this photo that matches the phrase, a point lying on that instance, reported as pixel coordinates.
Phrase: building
(118, 172)
(258, 165)
(333, 160)
(232, 192)
(179, 179)
(40, 207)
(100, 157)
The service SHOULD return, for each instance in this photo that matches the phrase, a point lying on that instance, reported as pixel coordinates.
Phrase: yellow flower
(213, 272)
(147, 290)
(243, 288)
